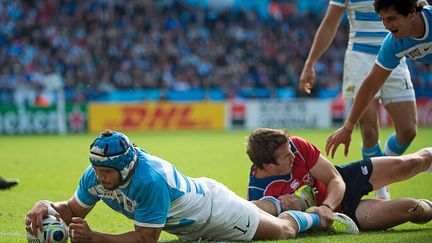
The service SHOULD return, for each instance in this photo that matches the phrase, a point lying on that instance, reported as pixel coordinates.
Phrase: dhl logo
(163, 117)
(156, 116)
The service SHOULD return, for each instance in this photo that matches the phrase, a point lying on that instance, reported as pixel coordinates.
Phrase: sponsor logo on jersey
(308, 179)
(413, 54)
(364, 170)
(117, 195)
(294, 184)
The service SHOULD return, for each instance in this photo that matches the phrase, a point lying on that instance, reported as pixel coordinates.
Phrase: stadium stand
(175, 50)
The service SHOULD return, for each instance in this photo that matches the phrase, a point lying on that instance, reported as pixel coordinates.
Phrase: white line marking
(16, 234)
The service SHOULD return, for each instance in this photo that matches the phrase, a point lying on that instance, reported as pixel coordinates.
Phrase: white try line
(14, 234)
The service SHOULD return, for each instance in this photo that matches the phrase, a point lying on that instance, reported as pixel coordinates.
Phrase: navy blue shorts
(356, 177)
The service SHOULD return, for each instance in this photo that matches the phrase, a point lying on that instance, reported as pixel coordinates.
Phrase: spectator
(144, 44)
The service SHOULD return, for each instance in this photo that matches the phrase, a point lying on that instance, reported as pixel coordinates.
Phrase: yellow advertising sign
(156, 116)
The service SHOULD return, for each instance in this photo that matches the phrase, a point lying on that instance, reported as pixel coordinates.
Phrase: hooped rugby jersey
(157, 195)
(419, 49)
(366, 32)
(306, 156)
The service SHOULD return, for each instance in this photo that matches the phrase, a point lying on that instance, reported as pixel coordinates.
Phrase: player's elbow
(341, 186)
(337, 183)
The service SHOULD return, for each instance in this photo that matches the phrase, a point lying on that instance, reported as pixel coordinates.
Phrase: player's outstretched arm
(323, 38)
(79, 231)
(325, 172)
(370, 86)
(65, 210)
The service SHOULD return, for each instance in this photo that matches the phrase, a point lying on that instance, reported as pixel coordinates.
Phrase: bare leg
(273, 228)
(369, 126)
(265, 205)
(404, 116)
(391, 169)
(376, 214)
(371, 147)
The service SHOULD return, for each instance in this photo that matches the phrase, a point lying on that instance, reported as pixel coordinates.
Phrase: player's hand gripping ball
(54, 231)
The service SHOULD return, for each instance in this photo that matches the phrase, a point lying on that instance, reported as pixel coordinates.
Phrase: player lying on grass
(282, 164)
(154, 194)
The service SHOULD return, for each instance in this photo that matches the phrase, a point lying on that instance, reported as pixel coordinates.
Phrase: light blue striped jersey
(366, 32)
(157, 195)
(420, 49)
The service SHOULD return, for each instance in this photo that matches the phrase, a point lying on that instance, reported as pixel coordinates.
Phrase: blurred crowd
(98, 46)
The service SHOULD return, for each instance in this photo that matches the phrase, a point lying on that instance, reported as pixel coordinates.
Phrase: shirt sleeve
(255, 189)
(255, 193)
(387, 57)
(308, 152)
(153, 205)
(340, 3)
(87, 183)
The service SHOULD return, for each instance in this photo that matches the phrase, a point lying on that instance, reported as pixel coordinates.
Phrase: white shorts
(232, 217)
(397, 88)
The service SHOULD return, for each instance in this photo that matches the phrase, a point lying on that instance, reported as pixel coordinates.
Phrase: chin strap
(131, 171)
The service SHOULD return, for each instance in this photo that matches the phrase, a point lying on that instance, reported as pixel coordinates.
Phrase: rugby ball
(306, 193)
(54, 231)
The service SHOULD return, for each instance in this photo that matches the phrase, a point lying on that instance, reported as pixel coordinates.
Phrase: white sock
(304, 220)
(382, 193)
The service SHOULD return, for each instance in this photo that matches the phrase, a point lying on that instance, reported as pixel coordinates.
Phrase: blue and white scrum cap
(113, 149)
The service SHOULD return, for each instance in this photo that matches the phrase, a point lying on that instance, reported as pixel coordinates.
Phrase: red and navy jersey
(306, 156)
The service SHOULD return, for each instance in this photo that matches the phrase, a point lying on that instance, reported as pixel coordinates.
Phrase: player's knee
(369, 134)
(287, 228)
(407, 134)
(278, 232)
(409, 165)
(271, 228)
(287, 232)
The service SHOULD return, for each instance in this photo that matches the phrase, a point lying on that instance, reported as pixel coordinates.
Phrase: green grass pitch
(49, 167)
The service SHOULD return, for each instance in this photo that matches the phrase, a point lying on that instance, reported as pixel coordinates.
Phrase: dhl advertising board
(156, 116)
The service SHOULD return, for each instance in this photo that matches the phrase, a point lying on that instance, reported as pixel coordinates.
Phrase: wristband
(51, 210)
(327, 206)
